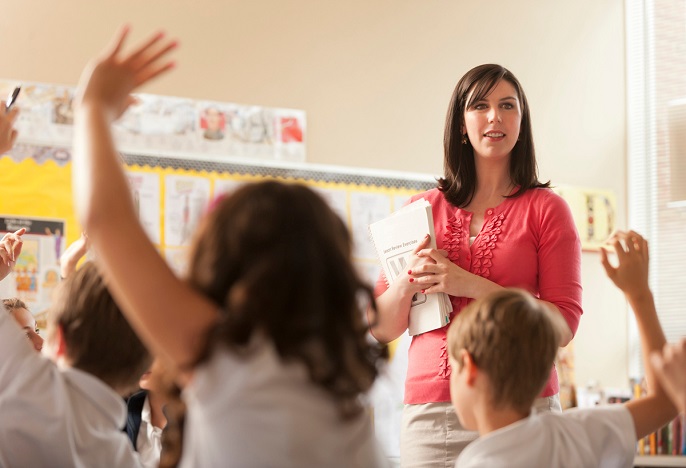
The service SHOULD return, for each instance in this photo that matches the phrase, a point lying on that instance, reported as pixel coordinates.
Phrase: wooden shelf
(660, 460)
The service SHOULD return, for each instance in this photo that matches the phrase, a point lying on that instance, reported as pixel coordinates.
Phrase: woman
(496, 226)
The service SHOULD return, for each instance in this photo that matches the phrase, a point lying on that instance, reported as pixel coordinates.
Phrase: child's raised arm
(170, 317)
(631, 276)
(670, 368)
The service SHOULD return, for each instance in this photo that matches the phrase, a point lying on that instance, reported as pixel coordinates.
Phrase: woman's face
(492, 124)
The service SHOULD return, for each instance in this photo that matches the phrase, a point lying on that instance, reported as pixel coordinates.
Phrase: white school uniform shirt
(56, 417)
(256, 411)
(603, 436)
(149, 440)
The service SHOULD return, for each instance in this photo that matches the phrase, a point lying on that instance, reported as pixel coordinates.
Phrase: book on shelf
(395, 238)
(668, 440)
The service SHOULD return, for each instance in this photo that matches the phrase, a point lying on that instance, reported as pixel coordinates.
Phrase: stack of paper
(395, 239)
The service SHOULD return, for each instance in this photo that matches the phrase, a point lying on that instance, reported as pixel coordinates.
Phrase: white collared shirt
(56, 417)
(602, 436)
(149, 441)
(257, 411)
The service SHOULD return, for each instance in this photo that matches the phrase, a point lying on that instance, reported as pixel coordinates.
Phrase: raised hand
(631, 273)
(109, 79)
(10, 249)
(71, 256)
(8, 135)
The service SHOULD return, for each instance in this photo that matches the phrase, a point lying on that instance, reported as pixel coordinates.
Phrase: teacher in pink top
(496, 226)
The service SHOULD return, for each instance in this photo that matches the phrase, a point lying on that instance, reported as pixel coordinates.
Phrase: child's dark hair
(277, 260)
(98, 338)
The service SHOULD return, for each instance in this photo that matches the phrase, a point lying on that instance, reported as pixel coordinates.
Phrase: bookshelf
(659, 460)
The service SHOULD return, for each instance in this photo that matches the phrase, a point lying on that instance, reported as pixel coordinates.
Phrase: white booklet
(395, 238)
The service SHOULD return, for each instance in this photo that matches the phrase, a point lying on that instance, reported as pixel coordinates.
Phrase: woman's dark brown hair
(459, 181)
(277, 260)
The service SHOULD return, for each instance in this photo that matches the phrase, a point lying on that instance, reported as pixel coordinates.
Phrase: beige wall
(375, 78)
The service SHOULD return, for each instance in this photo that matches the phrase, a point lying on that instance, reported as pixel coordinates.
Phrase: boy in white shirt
(502, 348)
(68, 410)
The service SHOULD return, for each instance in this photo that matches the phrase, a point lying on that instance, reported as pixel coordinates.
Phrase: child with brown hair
(68, 410)
(268, 331)
(502, 348)
(23, 316)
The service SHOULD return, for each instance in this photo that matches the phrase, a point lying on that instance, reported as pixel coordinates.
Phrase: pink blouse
(529, 242)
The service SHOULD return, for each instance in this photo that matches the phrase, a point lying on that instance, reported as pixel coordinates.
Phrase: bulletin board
(170, 194)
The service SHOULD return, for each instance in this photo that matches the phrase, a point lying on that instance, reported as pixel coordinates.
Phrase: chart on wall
(594, 211)
(36, 272)
(170, 195)
(166, 125)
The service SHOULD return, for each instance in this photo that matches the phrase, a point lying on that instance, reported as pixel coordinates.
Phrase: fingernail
(422, 291)
(411, 280)
(409, 272)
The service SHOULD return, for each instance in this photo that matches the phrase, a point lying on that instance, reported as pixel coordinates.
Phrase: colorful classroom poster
(37, 270)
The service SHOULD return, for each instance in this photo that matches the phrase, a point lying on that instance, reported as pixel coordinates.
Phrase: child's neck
(491, 419)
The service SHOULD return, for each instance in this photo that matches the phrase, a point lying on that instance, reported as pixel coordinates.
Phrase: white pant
(431, 436)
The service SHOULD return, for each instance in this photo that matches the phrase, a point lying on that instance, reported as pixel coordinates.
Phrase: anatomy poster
(185, 201)
(145, 191)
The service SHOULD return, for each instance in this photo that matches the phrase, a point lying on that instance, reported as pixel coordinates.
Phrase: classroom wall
(375, 78)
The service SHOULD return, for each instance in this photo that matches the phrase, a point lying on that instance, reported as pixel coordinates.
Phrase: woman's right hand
(407, 281)
(393, 306)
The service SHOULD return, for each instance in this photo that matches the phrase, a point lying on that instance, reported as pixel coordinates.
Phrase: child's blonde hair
(513, 339)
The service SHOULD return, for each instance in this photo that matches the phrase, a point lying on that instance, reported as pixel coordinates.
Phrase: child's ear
(60, 347)
(469, 367)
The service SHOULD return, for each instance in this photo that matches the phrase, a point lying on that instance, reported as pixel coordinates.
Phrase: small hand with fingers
(108, 80)
(416, 263)
(442, 275)
(8, 134)
(631, 273)
(10, 249)
(71, 256)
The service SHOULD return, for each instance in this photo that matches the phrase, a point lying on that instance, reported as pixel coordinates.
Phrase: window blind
(656, 129)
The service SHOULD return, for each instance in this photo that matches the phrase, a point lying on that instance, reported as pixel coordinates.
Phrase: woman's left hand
(445, 276)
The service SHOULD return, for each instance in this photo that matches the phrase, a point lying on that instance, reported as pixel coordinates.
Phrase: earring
(464, 139)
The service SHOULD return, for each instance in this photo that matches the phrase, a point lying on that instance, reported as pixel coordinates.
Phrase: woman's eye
(508, 106)
(37, 331)
(479, 106)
